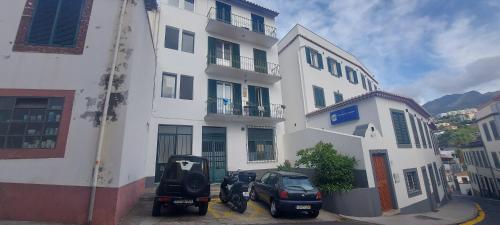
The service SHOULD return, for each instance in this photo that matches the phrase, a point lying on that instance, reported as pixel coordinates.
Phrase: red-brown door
(382, 182)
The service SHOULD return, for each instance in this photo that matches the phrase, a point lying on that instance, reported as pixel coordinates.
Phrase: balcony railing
(248, 64)
(240, 21)
(223, 106)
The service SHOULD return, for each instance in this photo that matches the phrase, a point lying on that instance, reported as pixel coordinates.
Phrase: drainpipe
(301, 74)
(97, 164)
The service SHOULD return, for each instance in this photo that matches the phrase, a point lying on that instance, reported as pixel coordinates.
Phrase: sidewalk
(455, 212)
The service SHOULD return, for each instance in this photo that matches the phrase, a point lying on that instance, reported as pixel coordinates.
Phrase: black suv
(184, 182)
(287, 192)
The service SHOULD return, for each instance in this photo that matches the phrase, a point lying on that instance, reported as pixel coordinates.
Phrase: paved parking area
(218, 213)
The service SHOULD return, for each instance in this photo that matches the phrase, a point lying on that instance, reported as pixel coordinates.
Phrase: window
(370, 85)
(34, 123)
(53, 26)
(258, 23)
(319, 97)
(338, 97)
(187, 41)
(422, 135)
(171, 38)
(351, 75)
(186, 87)
(189, 5)
(174, 3)
(486, 132)
(261, 144)
(314, 58)
(169, 85)
(412, 182)
(426, 128)
(223, 53)
(485, 160)
(400, 128)
(494, 130)
(494, 156)
(363, 81)
(260, 61)
(437, 173)
(172, 140)
(414, 131)
(334, 67)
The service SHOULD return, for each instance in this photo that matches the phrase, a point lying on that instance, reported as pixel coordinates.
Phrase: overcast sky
(418, 48)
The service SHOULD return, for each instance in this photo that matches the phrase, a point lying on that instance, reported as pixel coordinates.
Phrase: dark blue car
(287, 192)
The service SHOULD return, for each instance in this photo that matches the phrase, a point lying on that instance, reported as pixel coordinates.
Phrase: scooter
(234, 190)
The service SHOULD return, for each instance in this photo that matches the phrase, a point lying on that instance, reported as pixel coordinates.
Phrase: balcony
(241, 28)
(225, 110)
(244, 68)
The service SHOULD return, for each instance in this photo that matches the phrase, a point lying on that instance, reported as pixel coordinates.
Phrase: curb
(480, 215)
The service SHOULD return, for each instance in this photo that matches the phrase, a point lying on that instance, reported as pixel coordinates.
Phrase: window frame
(274, 150)
(414, 131)
(416, 182)
(338, 94)
(21, 44)
(61, 141)
(191, 95)
(186, 32)
(317, 100)
(194, 5)
(177, 41)
(405, 124)
(175, 84)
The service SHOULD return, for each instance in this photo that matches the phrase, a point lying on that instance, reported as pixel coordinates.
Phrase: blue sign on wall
(344, 115)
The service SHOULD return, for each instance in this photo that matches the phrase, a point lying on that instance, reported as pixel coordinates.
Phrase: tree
(333, 171)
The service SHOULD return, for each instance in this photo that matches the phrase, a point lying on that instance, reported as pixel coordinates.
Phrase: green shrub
(333, 171)
(286, 166)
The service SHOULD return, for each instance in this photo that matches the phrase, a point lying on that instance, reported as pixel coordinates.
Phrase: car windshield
(302, 183)
(178, 167)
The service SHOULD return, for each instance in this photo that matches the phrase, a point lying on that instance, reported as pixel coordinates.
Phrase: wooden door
(382, 182)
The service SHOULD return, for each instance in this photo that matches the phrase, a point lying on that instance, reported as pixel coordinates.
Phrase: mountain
(471, 99)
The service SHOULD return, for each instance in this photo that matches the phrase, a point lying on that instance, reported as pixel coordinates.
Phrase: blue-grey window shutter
(329, 64)
(355, 76)
(265, 102)
(212, 96)
(320, 61)
(308, 55)
(237, 99)
(68, 21)
(339, 69)
(347, 73)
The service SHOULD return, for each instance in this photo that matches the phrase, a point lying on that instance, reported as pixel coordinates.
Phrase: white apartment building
(217, 88)
(331, 97)
(482, 160)
(55, 60)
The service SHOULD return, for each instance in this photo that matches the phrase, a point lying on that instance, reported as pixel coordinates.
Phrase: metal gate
(214, 149)
(172, 140)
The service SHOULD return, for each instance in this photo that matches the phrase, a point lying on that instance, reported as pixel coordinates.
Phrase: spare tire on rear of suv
(194, 183)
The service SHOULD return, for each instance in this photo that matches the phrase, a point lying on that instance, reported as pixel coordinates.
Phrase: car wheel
(274, 209)
(156, 208)
(253, 195)
(314, 214)
(202, 209)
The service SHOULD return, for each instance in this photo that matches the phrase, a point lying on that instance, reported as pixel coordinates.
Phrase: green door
(214, 149)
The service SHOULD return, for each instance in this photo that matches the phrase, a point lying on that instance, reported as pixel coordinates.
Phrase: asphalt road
(490, 207)
(327, 223)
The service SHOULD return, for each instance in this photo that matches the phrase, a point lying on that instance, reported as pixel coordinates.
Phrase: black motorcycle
(234, 189)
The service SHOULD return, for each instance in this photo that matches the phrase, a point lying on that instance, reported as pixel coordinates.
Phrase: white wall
(192, 112)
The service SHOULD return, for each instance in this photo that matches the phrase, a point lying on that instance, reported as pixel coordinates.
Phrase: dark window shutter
(329, 63)
(212, 96)
(308, 55)
(319, 97)
(265, 102)
(363, 81)
(355, 76)
(252, 100)
(43, 21)
(68, 21)
(236, 55)
(186, 87)
(258, 24)
(171, 38)
(347, 73)
(339, 69)
(237, 99)
(211, 50)
(320, 60)
(260, 61)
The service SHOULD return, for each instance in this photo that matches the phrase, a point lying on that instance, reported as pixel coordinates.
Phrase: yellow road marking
(478, 219)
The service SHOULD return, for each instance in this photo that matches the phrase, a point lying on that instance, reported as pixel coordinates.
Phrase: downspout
(301, 74)
(97, 164)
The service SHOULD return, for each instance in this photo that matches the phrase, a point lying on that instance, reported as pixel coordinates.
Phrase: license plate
(303, 207)
(245, 194)
(183, 201)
